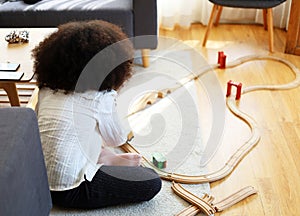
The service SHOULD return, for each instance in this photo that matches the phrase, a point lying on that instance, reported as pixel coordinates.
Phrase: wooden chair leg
(32, 103)
(210, 23)
(12, 93)
(220, 8)
(145, 57)
(270, 29)
(265, 19)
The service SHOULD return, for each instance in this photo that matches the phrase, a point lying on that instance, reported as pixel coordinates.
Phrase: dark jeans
(112, 185)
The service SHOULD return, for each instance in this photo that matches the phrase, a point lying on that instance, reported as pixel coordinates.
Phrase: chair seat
(258, 4)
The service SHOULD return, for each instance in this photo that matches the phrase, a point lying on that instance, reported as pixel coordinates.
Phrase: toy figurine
(17, 36)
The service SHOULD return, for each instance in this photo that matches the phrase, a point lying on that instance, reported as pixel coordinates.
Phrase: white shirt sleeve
(110, 126)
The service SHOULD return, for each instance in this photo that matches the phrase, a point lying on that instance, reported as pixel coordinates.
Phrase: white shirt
(73, 127)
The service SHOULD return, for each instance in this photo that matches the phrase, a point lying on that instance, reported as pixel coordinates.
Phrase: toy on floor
(221, 60)
(206, 203)
(238, 86)
(159, 160)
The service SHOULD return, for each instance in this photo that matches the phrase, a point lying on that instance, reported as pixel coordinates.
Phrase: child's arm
(109, 124)
(113, 135)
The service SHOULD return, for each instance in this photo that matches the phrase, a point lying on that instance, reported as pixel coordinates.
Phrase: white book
(7, 76)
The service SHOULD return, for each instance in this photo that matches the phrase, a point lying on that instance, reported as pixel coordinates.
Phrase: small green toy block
(159, 160)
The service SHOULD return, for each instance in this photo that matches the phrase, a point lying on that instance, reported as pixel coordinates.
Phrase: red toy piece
(222, 61)
(238, 89)
(220, 54)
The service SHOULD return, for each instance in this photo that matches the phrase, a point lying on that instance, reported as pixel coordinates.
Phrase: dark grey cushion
(51, 13)
(135, 17)
(259, 4)
(24, 185)
(31, 1)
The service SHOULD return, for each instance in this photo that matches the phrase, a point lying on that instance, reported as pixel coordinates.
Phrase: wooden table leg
(145, 57)
(12, 93)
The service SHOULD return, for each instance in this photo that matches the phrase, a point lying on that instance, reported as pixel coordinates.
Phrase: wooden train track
(232, 104)
(206, 203)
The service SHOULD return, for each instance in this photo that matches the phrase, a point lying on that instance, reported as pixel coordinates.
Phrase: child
(77, 126)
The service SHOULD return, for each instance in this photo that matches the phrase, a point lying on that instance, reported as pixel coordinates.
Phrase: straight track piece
(205, 204)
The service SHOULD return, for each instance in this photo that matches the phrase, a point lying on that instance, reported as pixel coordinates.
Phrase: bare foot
(111, 159)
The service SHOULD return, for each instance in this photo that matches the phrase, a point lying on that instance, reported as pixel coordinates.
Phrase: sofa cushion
(24, 185)
(51, 13)
(31, 1)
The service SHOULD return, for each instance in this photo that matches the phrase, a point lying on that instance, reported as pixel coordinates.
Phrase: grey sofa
(135, 17)
(24, 185)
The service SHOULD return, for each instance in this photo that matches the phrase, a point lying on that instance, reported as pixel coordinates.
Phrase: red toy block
(220, 54)
(229, 84)
(238, 89)
(222, 62)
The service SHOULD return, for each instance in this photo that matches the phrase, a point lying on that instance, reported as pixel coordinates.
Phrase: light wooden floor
(273, 166)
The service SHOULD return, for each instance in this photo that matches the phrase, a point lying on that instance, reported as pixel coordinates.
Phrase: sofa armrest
(145, 23)
(24, 185)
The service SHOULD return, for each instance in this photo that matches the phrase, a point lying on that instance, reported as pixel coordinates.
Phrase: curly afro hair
(60, 59)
